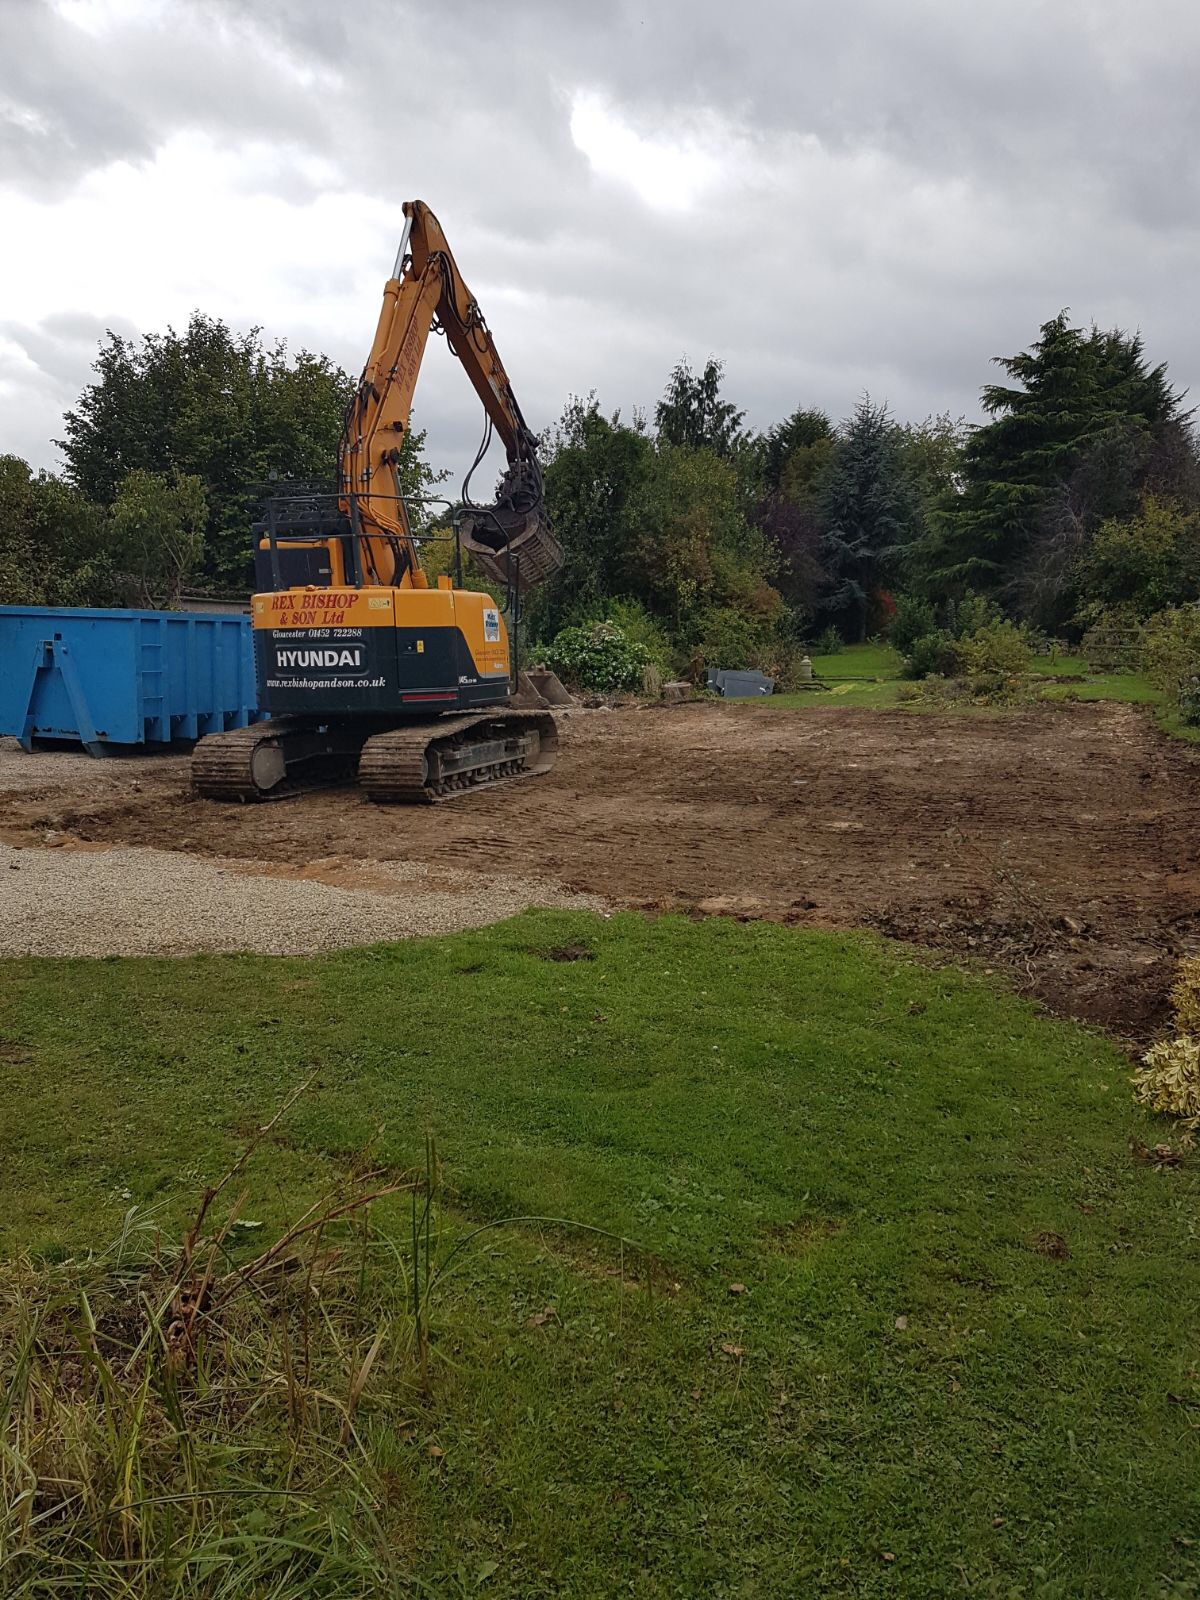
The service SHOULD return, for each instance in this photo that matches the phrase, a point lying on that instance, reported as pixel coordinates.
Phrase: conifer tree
(1068, 391)
(869, 509)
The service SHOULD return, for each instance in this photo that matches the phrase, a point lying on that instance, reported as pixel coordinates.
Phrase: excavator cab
(302, 541)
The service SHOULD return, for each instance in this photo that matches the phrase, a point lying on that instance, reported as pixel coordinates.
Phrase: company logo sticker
(340, 658)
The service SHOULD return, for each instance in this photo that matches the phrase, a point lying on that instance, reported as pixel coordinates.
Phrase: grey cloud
(71, 103)
(324, 33)
(57, 119)
(910, 189)
(63, 347)
(43, 378)
(80, 327)
(43, 367)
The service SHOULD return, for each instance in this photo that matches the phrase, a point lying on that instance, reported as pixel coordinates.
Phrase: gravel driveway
(135, 901)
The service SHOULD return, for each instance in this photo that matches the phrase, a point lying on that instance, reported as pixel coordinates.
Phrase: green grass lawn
(962, 1358)
(1128, 688)
(869, 675)
(859, 675)
(872, 660)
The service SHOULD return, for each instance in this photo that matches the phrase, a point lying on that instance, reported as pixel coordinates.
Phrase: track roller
(428, 762)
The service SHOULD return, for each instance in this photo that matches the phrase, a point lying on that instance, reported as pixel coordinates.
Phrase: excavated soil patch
(1059, 845)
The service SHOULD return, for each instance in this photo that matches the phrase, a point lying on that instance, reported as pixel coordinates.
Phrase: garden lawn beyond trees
(871, 675)
(900, 1312)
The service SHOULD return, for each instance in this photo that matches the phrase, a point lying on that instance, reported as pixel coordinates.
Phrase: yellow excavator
(363, 665)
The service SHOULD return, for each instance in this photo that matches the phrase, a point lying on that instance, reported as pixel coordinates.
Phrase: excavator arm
(511, 539)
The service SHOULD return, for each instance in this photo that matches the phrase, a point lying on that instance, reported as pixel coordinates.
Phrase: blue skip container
(113, 678)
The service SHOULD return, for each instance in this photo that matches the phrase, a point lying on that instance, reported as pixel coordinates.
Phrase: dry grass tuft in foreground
(151, 1390)
(147, 1387)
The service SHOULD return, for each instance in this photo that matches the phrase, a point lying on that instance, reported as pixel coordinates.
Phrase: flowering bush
(1168, 1080)
(598, 656)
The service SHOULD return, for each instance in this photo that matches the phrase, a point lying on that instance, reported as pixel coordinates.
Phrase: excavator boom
(511, 540)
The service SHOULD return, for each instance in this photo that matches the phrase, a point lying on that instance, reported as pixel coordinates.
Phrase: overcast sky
(869, 195)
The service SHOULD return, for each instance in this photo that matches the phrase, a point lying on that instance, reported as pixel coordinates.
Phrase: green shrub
(726, 636)
(1189, 702)
(914, 619)
(990, 658)
(640, 628)
(828, 643)
(1169, 654)
(933, 654)
(598, 656)
(996, 650)
(970, 614)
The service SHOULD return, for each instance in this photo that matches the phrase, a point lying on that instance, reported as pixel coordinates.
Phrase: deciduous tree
(212, 404)
(1142, 564)
(155, 536)
(594, 468)
(51, 540)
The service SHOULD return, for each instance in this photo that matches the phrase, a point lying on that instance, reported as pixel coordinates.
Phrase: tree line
(1075, 503)
(169, 455)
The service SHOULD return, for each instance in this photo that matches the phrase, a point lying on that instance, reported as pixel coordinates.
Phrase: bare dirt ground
(1059, 845)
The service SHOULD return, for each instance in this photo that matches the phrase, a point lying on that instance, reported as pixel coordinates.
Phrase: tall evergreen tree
(1070, 391)
(692, 415)
(869, 510)
(804, 439)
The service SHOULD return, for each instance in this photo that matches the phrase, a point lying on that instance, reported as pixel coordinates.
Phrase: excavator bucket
(527, 557)
(512, 541)
(538, 689)
(550, 687)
